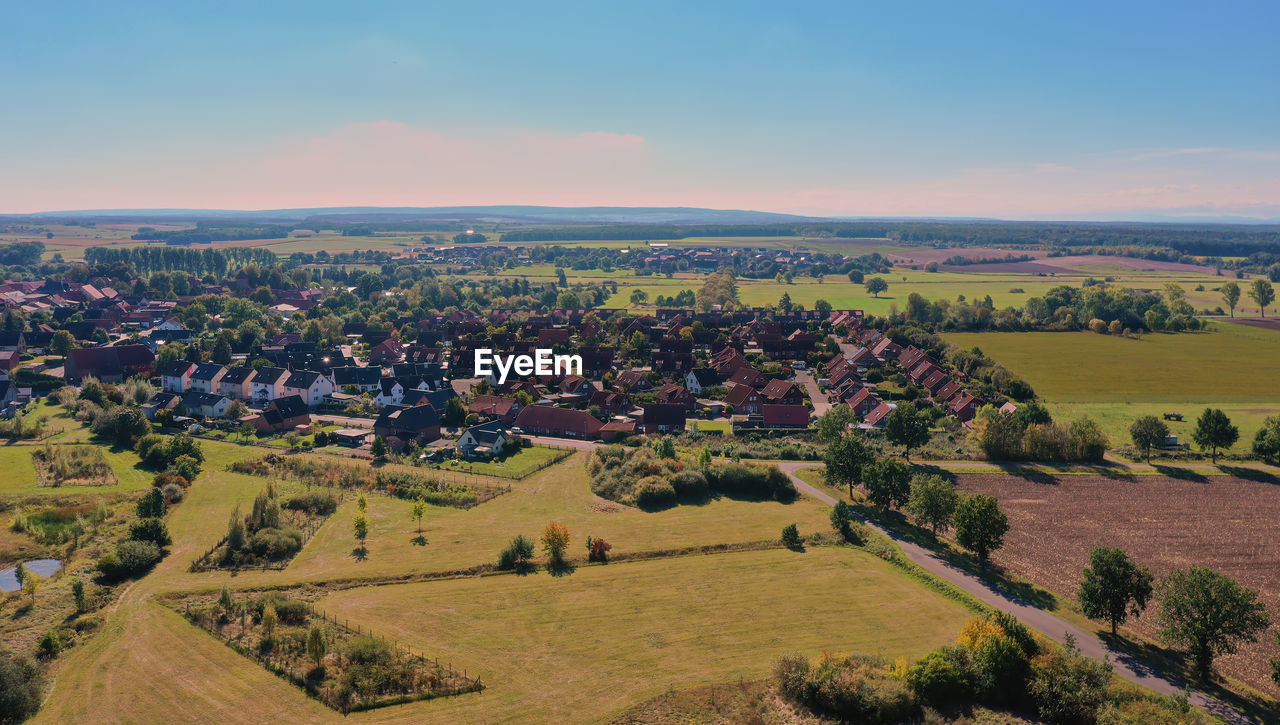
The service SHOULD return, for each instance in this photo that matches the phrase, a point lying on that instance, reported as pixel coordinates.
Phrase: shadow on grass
(419, 540)
(991, 574)
(560, 568)
(360, 553)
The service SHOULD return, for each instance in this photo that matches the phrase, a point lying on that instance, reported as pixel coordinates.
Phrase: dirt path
(1048, 624)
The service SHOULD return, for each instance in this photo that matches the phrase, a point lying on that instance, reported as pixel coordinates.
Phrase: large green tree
(933, 502)
(1231, 295)
(845, 458)
(908, 427)
(1148, 432)
(1214, 431)
(1114, 587)
(888, 482)
(1263, 293)
(980, 525)
(1209, 613)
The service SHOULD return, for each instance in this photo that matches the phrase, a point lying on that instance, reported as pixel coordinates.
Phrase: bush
(857, 689)
(131, 558)
(517, 556)
(122, 425)
(20, 686)
(50, 644)
(276, 543)
(690, 485)
(655, 493)
(288, 611)
(943, 676)
(1068, 688)
(365, 650)
(316, 503)
(150, 529)
(173, 493)
(791, 536)
(792, 673)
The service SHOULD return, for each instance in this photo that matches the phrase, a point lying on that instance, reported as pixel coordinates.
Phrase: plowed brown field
(1228, 524)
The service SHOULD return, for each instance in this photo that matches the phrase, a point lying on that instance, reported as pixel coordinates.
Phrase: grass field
(516, 465)
(1116, 379)
(577, 648)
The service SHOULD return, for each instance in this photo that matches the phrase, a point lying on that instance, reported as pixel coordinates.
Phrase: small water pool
(41, 567)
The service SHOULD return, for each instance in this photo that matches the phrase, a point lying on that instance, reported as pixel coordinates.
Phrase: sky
(1017, 110)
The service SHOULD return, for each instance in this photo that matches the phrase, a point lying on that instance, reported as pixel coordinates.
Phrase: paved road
(819, 399)
(1034, 617)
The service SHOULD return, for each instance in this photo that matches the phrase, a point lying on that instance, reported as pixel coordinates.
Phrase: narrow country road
(1048, 624)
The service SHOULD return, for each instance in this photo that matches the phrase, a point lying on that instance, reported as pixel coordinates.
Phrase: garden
(72, 465)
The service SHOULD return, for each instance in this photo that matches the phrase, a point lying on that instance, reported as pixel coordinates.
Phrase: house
(672, 394)
(699, 379)
(577, 385)
(311, 386)
(785, 416)
(748, 376)
(964, 406)
(632, 380)
(268, 384)
(744, 399)
(608, 402)
(484, 440)
(875, 419)
(390, 392)
(401, 424)
(13, 340)
(9, 359)
(206, 377)
(782, 392)
(560, 422)
(386, 352)
(108, 364)
(205, 405)
(504, 409)
(176, 376)
(236, 383)
(160, 401)
(863, 401)
(663, 417)
(364, 380)
(285, 413)
(617, 428)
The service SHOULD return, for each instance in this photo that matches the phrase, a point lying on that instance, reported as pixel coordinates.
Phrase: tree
(1263, 293)
(518, 555)
(1114, 587)
(20, 687)
(1266, 444)
(378, 448)
(30, 583)
(933, 502)
(842, 520)
(555, 540)
(875, 286)
(822, 306)
(980, 525)
(317, 644)
(221, 351)
(834, 423)
(598, 550)
(225, 601)
(845, 458)
(269, 621)
(784, 303)
(888, 482)
(152, 504)
(1214, 431)
(236, 534)
(908, 427)
(1148, 432)
(238, 410)
(122, 425)
(360, 526)
(62, 343)
(419, 510)
(1209, 613)
(77, 593)
(791, 536)
(1231, 295)
(639, 297)
(152, 530)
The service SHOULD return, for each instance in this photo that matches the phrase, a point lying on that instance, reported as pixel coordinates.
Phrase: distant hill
(527, 214)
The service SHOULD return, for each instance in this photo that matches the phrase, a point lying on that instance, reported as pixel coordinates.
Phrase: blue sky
(1016, 110)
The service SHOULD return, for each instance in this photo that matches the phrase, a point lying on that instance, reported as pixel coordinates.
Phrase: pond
(41, 567)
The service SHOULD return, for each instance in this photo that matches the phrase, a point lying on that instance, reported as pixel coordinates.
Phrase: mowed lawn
(1116, 379)
(582, 647)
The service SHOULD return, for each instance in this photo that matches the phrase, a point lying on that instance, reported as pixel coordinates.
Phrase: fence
(561, 454)
(288, 671)
(204, 562)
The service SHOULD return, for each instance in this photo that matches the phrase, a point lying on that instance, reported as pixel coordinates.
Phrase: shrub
(152, 504)
(791, 536)
(20, 686)
(121, 425)
(365, 650)
(316, 503)
(50, 644)
(691, 485)
(598, 550)
(517, 556)
(276, 543)
(150, 529)
(792, 673)
(1068, 688)
(655, 493)
(165, 479)
(288, 611)
(131, 558)
(857, 689)
(173, 493)
(943, 676)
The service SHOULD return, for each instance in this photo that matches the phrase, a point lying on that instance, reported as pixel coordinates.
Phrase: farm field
(1115, 379)
(1228, 524)
(582, 647)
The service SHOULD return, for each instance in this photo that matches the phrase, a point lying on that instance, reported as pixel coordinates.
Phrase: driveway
(805, 379)
(1046, 623)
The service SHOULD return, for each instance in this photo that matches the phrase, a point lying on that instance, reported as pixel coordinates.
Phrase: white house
(176, 376)
(484, 440)
(390, 392)
(237, 383)
(205, 404)
(308, 385)
(206, 377)
(700, 379)
(268, 384)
